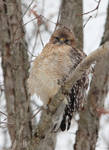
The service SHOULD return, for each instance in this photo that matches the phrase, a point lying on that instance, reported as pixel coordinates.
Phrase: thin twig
(41, 39)
(96, 8)
(3, 113)
(28, 8)
(87, 21)
(36, 112)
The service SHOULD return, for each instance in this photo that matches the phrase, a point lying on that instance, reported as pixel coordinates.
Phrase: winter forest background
(39, 20)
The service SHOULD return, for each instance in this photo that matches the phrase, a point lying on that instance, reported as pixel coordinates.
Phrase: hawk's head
(63, 36)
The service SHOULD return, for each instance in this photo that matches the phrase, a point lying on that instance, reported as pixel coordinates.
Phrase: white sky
(95, 27)
(92, 35)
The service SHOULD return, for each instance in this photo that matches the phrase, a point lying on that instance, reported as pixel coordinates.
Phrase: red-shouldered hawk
(55, 64)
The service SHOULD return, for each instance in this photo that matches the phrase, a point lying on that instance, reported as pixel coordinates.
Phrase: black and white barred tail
(75, 101)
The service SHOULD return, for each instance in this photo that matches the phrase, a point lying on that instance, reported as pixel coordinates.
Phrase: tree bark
(87, 133)
(106, 31)
(15, 71)
(89, 119)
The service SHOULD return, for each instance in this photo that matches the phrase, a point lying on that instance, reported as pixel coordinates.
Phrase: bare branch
(95, 56)
(96, 8)
(3, 113)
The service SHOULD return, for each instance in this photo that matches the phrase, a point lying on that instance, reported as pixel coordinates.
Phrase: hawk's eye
(68, 42)
(57, 39)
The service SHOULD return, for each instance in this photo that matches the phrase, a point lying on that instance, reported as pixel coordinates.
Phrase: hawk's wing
(77, 95)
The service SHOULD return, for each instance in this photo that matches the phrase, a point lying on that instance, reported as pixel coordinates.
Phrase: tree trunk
(87, 133)
(15, 71)
(106, 31)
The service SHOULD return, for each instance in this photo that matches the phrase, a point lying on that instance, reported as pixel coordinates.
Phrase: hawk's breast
(53, 65)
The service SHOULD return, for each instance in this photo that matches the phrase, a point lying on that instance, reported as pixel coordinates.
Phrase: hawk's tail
(66, 121)
(71, 107)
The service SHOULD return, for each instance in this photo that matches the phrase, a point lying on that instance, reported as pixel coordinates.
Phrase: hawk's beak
(62, 40)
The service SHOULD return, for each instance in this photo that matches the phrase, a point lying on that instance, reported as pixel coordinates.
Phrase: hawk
(58, 60)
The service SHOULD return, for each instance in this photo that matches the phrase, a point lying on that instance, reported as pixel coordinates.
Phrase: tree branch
(96, 56)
